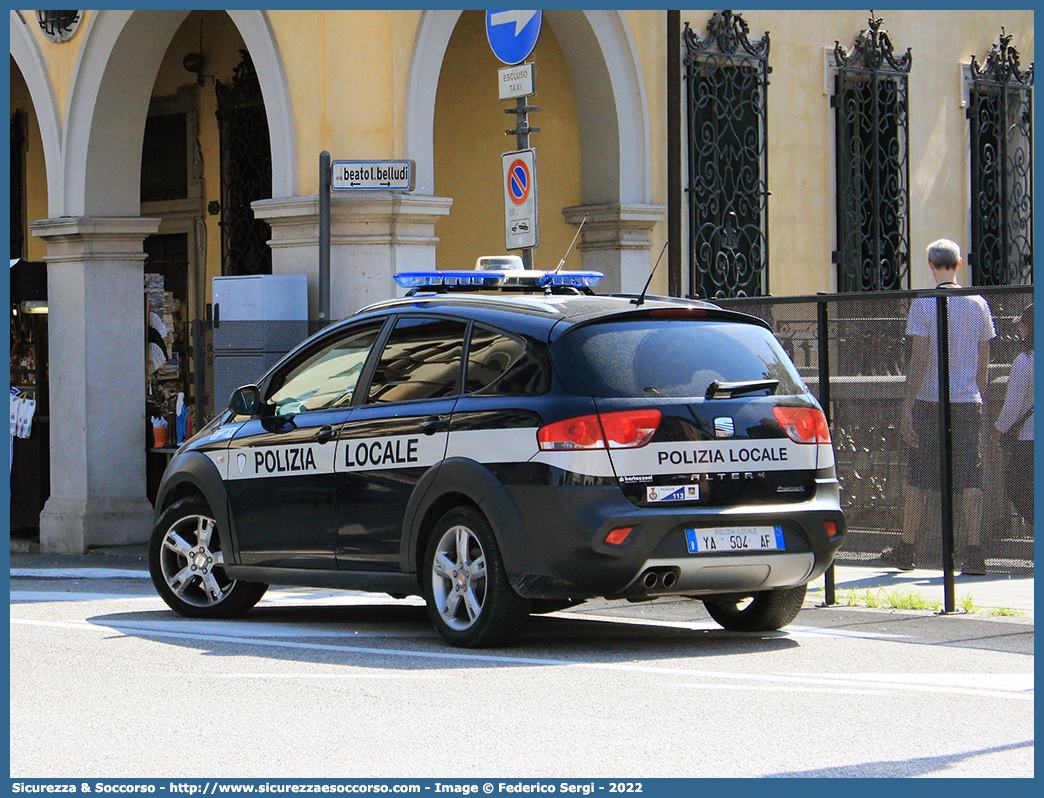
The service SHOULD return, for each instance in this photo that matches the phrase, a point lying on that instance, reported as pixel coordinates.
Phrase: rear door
(394, 436)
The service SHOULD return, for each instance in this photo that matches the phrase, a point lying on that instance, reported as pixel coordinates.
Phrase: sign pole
(522, 136)
(512, 35)
(324, 235)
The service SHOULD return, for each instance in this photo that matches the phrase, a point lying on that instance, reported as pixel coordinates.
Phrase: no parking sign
(520, 200)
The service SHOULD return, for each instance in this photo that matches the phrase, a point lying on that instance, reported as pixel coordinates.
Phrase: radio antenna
(640, 299)
(561, 263)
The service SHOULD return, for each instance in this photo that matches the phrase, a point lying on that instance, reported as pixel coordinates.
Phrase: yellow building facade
(128, 145)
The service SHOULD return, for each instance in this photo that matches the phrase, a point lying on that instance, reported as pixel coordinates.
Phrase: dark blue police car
(505, 442)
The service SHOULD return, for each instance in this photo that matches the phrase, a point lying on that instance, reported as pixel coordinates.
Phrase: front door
(282, 480)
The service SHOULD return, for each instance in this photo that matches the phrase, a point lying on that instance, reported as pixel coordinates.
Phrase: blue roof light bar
(499, 278)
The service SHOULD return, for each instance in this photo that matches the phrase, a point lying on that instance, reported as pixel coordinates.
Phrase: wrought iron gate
(727, 101)
(1000, 110)
(246, 171)
(873, 167)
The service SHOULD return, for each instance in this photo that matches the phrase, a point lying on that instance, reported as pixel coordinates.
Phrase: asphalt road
(106, 682)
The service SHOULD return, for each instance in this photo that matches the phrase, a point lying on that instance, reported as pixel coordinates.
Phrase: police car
(504, 442)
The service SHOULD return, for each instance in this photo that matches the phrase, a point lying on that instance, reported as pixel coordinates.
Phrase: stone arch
(610, 95)
(27, 57)
(109, 102)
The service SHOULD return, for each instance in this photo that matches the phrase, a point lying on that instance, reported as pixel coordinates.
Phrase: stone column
(373, 235)
(616, 242)
(96, 358)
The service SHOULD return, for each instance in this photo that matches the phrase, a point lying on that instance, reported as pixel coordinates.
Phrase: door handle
(325, 434)
(433, 425)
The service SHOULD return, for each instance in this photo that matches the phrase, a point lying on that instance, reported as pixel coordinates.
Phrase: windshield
(675, 358)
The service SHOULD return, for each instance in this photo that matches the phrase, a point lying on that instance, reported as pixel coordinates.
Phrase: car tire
(186, 564)
(767, 611)
(469, 597)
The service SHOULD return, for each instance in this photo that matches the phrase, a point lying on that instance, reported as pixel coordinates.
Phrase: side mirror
(245, 401)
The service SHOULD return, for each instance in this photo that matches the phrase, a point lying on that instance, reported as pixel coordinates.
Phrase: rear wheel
(187, 564)
(466, 588)
(763, 612)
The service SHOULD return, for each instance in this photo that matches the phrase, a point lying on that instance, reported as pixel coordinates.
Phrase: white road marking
(43, 596)
(382, 675)
(1012, 686)
(776, 689)
(77, 573)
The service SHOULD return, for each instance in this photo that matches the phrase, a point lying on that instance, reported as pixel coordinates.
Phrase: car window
(422, 360)
(490, 355)
(669, 358)
(326, 378)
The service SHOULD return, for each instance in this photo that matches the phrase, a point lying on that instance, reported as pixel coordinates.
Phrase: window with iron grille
(1000, 113)
(871, 103)
(246, 171)
(727, 101)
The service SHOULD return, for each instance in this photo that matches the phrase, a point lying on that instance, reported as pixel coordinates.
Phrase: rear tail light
(803, 424)
(831, 528)
(624, 429)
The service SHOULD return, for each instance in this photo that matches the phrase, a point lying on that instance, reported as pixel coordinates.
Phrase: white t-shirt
(1019, 398)
(970, 324)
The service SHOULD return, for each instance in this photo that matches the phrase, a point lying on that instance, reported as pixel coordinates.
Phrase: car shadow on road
(403, 634)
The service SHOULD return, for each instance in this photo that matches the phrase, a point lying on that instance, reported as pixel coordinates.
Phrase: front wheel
(187, 565)
(764, 612)
(469, 598)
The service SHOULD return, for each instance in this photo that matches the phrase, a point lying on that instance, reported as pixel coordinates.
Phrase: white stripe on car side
(518, 446)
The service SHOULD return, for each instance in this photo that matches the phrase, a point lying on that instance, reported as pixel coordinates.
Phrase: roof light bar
(499, 278)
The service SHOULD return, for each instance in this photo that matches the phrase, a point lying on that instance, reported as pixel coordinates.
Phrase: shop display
(165, 361)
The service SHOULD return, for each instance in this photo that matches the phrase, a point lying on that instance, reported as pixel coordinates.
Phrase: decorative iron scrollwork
(727, 90)
(59, 26)
(729, 32)
(873, 50)
(1002, 65)
(873, 168)
(246, 171)
(1000, 112)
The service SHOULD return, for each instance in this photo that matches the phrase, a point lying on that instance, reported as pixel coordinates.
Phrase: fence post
(942, 326)
(822, 331)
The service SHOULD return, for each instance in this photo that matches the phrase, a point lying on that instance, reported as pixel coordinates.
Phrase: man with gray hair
(969, 334)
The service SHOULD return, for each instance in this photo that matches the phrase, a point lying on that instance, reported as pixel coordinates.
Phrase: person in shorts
(969, 334)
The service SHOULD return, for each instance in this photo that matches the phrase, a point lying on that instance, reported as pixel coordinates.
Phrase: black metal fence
(853, 351)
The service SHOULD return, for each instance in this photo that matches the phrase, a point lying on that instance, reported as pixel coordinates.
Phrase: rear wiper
(726, 390)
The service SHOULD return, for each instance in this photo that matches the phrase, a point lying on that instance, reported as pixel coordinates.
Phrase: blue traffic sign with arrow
(512, 34)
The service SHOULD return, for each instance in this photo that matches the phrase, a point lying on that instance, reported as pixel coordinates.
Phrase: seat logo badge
(242, 461)
(724, 427)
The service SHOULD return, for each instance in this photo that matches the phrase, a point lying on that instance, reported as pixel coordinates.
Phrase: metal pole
(674, 161)
(324, 235)
(829, 597)
(942, 324)
(522, 141)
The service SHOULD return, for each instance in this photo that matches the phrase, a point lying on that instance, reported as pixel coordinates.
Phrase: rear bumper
(563, 553)
(697, 576)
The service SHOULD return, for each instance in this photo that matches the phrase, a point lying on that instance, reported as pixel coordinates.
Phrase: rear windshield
(669, 358)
